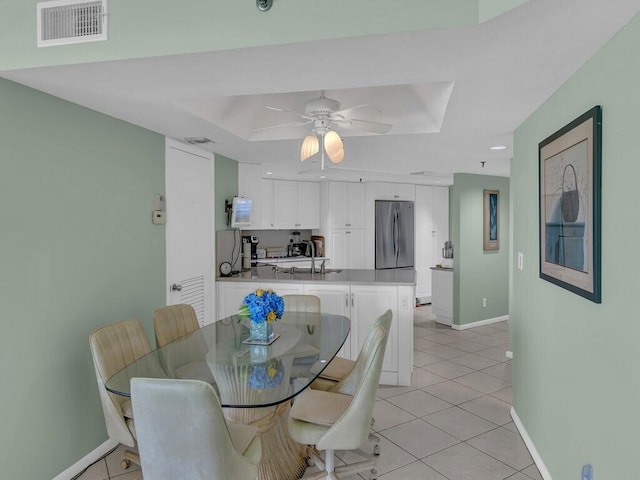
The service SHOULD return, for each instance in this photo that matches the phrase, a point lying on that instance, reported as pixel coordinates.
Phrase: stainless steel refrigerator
(394, 234)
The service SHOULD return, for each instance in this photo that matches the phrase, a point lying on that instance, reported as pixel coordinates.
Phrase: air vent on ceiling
(62, 22)
(198, 140)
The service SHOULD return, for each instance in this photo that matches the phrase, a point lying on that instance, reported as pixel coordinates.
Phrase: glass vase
(261, 331)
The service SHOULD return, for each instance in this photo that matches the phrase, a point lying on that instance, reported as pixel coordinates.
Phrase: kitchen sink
(294, 270)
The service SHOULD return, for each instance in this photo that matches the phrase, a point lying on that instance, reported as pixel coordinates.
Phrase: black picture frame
(570, 201)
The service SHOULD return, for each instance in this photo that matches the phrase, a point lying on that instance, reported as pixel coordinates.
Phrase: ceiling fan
(325, 114)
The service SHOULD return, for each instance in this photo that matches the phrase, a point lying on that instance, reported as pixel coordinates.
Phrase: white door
(190, 228)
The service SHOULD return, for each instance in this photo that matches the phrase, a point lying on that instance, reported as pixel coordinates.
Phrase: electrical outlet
(484, 302)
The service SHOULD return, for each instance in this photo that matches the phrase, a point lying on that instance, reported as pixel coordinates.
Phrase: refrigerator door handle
(396, 236)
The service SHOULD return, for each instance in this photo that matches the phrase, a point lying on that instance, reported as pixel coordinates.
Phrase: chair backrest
(174, 321)
(349, 383)
(353, 427)
(182, 432)
(113, 347)
(301, 303)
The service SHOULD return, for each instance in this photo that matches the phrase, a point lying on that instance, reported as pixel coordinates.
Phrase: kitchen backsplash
(225, 251)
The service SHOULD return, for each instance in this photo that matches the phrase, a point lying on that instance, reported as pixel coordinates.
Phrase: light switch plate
(520, 260)
(158, 202)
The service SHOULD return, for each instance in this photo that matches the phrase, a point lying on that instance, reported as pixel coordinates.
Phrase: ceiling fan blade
(347, 111)
(297, 114)
(364, 125)
(294, 124)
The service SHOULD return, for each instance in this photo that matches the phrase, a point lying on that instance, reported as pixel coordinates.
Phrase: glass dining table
(255, 383)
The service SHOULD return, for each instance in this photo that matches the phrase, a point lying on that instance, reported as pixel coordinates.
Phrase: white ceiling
(450, 94)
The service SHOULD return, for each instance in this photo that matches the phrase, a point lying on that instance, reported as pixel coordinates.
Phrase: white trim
(87, 460)
(530, 446)
(480, 323)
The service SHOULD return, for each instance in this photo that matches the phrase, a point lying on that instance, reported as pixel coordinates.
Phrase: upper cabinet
(346, 205)
(394, 191)
(296, 205)
(259, 190)
(279, 204)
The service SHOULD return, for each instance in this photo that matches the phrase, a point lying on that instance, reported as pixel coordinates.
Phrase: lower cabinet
(363, 304)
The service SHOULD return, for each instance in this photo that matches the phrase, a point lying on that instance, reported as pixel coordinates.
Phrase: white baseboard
(530, 446)
(480, 323)
(87, 460)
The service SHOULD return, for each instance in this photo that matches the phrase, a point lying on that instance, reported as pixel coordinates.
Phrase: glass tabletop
(246, 375)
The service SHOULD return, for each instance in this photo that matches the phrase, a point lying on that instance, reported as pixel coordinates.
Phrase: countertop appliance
(253, 241)
(394, 234)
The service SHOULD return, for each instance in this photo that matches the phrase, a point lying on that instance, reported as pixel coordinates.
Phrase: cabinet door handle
(346, 298)
(352, 300)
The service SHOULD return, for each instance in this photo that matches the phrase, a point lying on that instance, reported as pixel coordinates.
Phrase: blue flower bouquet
(263, 307)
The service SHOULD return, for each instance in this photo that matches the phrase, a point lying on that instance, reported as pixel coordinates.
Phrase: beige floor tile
(419, 403)
(391, 456)
(489, 408)
(518, 476)
(506, 395)
(413, 471)
(444, 352)
(459, 423)
(448, 369)
(482, 382)
(386, 391)
(502, 371)
(420, 358)
(463, 462)
(532, 472)
(420, 438)
(495, 353)
(493, 339)
(468, 346)
(512, 427)
(423, 378)
(452, 392)
(504, 445)
(423, 343)
(472, 360)
(388, 415)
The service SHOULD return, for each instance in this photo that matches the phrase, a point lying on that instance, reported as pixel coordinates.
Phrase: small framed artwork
(570, 167)
(491, 218)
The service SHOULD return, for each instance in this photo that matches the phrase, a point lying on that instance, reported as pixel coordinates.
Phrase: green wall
(226, 187)
(576, 385)
(146, 28)
(478, 274)
(78, 251)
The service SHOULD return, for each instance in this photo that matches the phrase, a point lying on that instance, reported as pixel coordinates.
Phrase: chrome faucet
(312, 245)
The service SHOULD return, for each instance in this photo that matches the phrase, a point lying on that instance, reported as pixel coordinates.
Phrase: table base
(282, 457)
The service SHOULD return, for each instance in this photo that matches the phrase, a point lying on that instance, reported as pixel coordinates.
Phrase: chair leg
(358, 467)
(129, 456)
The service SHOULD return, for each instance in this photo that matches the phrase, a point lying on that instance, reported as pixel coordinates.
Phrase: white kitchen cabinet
(362, 304)
(296, 205)
(442, 300)
(346, 205)
(335, 299)
(431, 231)
(345, 248)
(368, 302)
(259, 190)
(394, 191)
(232, 294)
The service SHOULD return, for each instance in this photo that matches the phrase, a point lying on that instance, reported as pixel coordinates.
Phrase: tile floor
(453, 423)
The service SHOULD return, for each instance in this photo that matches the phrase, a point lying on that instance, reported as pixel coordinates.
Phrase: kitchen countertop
(299, 258)
(400, 276)
(444, 269)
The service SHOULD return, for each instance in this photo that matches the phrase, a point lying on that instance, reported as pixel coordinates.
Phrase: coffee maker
(249, 250)
(296, 246)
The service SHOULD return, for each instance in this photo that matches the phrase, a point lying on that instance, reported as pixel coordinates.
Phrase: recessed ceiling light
(268, 173)
(323, 176)
(498, 147)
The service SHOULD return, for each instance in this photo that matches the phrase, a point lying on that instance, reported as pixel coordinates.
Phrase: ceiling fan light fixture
(333, 146)
(310, 146)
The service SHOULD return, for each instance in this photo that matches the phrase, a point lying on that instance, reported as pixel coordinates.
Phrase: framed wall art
(491, 218)
(570, 167)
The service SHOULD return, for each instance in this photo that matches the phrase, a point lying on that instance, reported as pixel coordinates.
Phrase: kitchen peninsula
(361, 295)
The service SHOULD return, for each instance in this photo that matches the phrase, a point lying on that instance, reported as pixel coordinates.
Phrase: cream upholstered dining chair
(113, 347)
(184, 359)
(182, 433)
(174, 321)
(340, 419)
(340, 367)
